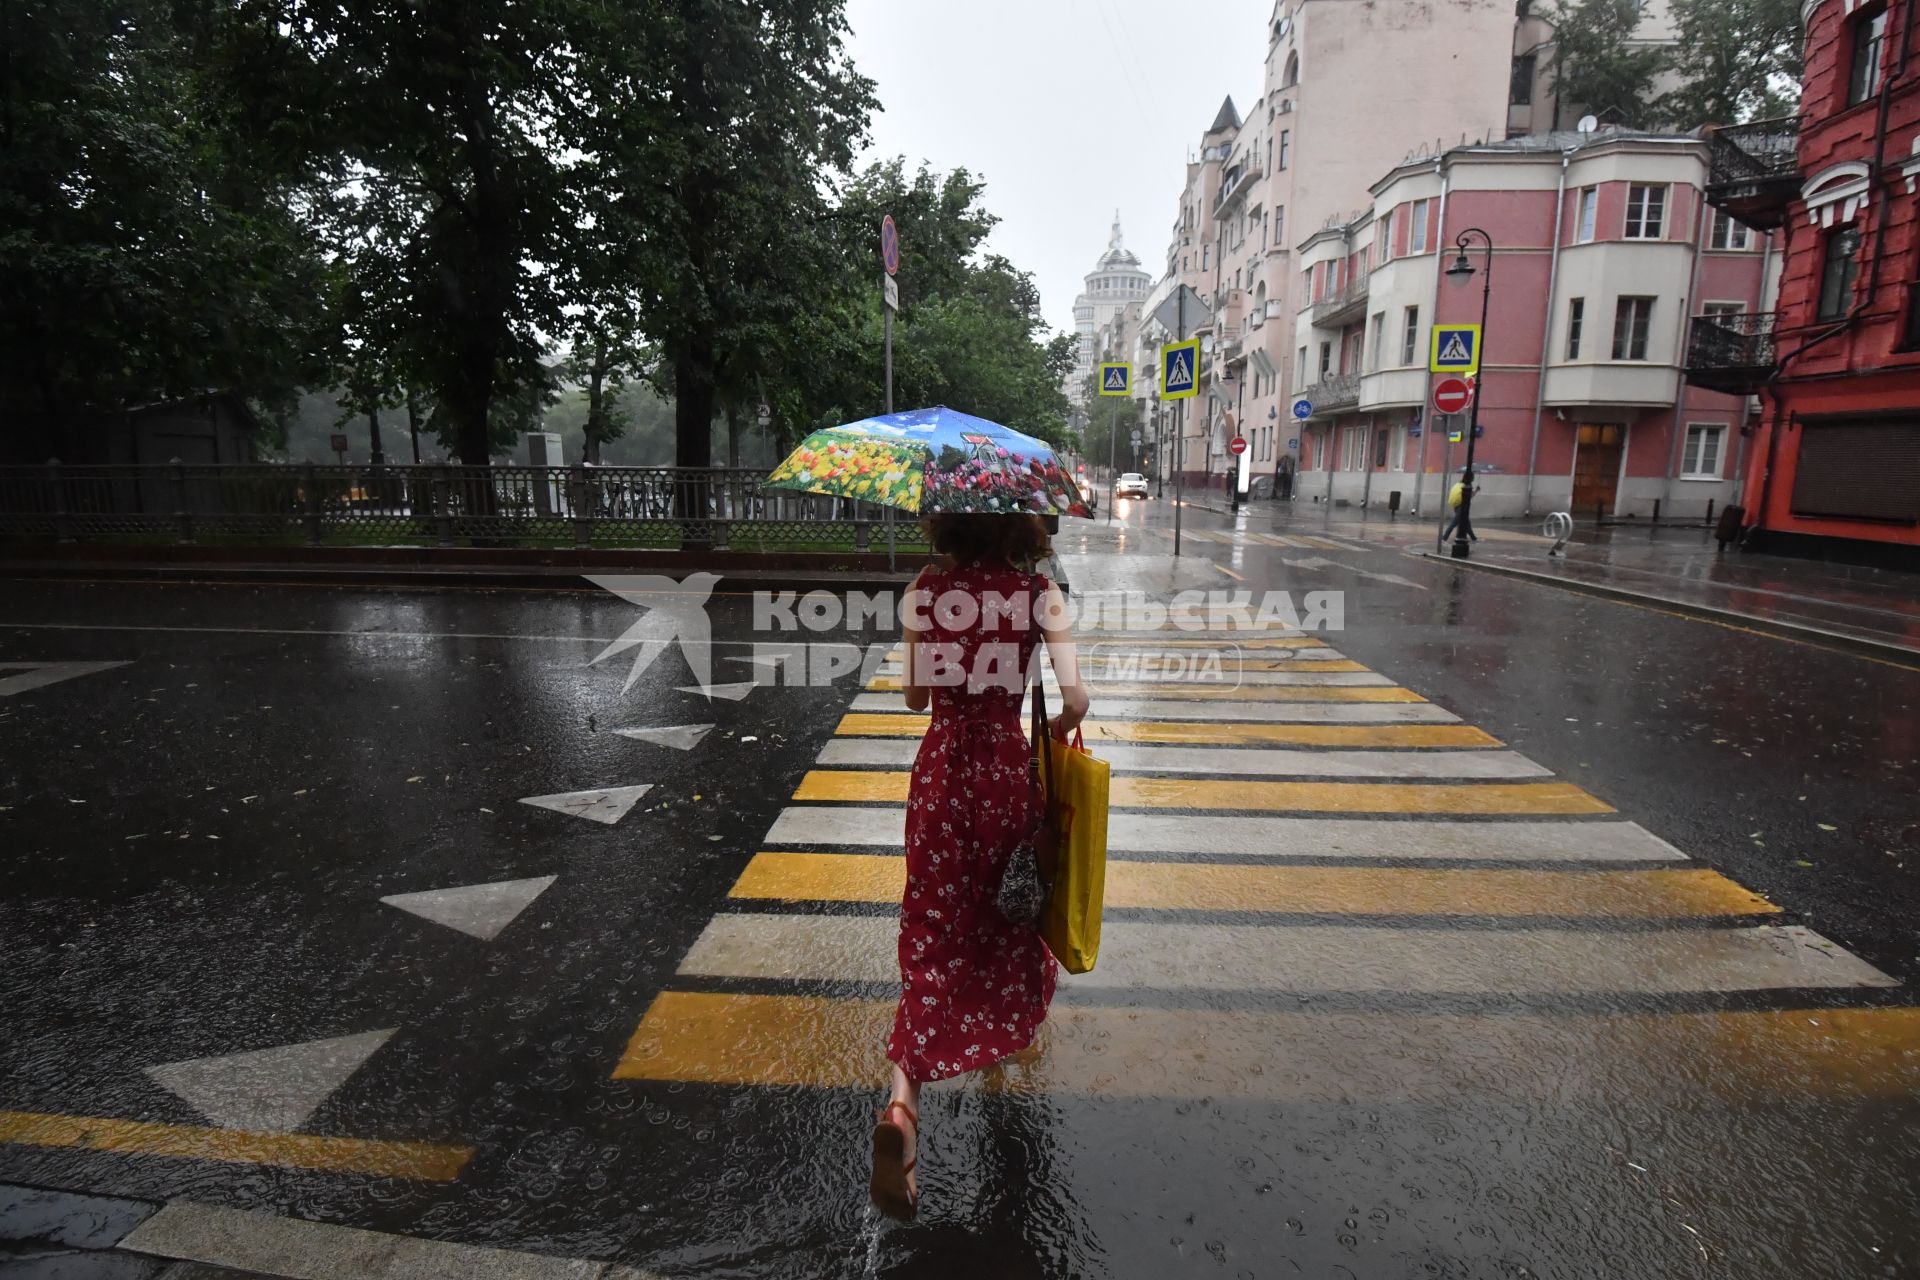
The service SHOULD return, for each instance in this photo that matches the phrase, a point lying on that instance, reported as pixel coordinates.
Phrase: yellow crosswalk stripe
(890, 787)
(822, 1042)
(424, 1162)
(1356, 891)
(1189, 691)
(1147, 643)
(875, 724)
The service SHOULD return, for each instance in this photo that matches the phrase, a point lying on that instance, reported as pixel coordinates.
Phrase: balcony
(1333, 393)
(1731, 353)
(1343, 307)
(1753, 170)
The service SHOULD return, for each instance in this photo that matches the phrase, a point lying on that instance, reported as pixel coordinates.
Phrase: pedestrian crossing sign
(1180, 370)
(1116, 379)
(1456, 349)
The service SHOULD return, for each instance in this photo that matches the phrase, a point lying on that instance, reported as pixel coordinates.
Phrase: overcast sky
(1068, 109)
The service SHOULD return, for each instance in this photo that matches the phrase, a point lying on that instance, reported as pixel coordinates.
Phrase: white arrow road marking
(731, 692)
(1315, 562)
(269, 1090)
(607, 805)
(38, 675)
(681, 737)
(477, 910)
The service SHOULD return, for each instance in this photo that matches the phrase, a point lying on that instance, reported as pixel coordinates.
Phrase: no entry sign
(1451, 395)
(1237, 445)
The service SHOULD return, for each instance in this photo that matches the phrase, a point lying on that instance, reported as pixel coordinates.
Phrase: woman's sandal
(892, 1194)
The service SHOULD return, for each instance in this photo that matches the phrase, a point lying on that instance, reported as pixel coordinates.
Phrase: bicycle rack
(1559, 527)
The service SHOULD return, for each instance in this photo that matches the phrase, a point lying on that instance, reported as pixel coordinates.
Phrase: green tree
(431, 129)
(969, 332)
(1599, 67)
(1738, 60)
(145, 246)
(728, 126)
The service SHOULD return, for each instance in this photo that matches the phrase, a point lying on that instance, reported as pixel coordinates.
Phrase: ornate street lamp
(1460, 273)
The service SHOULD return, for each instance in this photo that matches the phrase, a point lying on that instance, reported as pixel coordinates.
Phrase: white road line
(1111, 708)
(1280, 839)
(263, 1242)
(1277, 762)
(38, 675)
(1330, 958)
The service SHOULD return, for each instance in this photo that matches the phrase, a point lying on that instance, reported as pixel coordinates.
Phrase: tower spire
(1113, 241)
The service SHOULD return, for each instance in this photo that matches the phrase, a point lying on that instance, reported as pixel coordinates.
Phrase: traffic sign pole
(889, 301)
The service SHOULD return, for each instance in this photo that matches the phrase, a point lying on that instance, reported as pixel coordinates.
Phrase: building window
(1576, 321)
(1701, 458)
(1721, 310)
(1286, 147)
(1410, 336)
(1376, 338)
(1589, 205)
(1279, 223)
(1380, 447)
(1646, 211)
(1291, 76)
(1837, 273)
(1632, 317)
(1869, 37)
(1326, 361)
(1383, 235)
(1300, 365)
(1729, 234)
(1520, 91)
(1417, 227)
(1355, 439)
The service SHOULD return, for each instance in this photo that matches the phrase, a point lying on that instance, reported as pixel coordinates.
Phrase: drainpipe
(1739, 471)
(1546, 332)
(1680, 371)
(1433, 314)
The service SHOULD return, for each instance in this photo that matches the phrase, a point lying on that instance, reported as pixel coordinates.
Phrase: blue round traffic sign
(890, 245)
(1303, 408)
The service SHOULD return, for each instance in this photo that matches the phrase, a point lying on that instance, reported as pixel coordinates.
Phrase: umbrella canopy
(930, 461)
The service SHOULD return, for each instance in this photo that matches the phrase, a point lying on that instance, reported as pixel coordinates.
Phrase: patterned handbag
(1028, 879)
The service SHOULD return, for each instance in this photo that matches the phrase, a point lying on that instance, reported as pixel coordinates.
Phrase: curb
(474, 578)
(1880, 649)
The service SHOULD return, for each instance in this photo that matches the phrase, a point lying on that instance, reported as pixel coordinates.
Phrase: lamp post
(1459, 274)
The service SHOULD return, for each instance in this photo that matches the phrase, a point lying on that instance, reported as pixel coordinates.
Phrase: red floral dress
(974, 989)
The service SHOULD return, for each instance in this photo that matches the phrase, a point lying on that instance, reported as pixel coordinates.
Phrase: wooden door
(1596, 466)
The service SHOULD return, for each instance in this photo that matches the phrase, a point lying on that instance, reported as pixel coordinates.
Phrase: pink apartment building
(1349, 91)
(1604, 246)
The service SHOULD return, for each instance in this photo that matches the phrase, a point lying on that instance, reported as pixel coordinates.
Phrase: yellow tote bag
(1071, 922)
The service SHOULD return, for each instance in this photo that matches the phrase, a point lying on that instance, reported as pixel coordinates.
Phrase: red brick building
(1834, 458)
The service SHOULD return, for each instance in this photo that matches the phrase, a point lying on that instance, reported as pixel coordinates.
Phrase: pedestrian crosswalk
(1273, 843)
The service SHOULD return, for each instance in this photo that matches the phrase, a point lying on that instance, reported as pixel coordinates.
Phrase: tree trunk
(596, 401)
(693, 437)
(733, 435)
(375, 454)
(413, 422)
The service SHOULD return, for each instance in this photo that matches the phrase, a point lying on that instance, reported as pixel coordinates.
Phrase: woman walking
(974, 987)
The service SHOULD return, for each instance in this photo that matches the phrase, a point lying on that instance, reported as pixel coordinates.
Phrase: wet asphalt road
(197, 843)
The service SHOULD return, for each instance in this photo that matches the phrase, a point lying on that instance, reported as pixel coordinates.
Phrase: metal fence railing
(579, 506)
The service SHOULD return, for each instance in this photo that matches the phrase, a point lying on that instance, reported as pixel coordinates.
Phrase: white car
(1131, 484)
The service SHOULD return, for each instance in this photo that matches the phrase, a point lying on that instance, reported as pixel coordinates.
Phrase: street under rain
(1502, 932)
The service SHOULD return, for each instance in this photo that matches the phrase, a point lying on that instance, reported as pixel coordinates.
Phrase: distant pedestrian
(1283, 478)
(1462, 507)
(974, 986)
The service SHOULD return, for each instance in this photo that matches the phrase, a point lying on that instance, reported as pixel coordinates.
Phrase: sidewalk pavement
(1674, 566)
(59, 1235)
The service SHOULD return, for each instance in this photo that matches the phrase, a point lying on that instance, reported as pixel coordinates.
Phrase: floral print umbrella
(929, 461)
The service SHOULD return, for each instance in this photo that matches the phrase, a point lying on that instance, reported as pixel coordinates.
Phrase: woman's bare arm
(919, 696)
(1066, 663)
